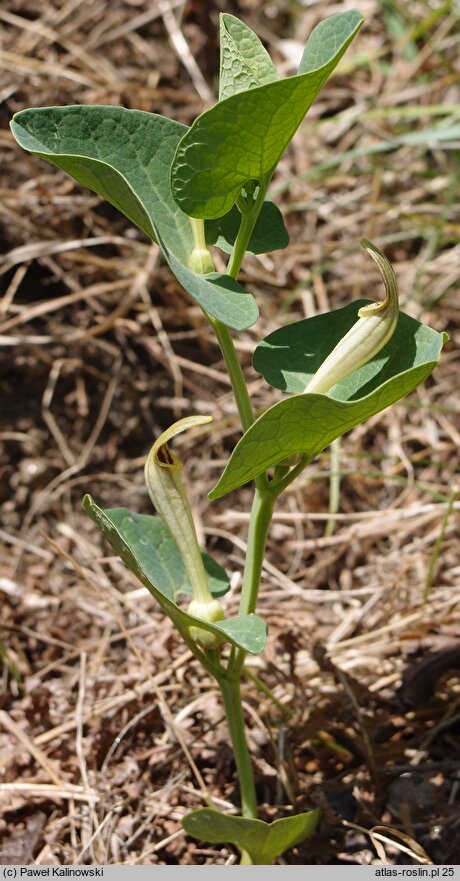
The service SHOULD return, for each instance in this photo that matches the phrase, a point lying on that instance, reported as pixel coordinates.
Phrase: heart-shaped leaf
(125, 156)
(307, 423)
(262, 841)
(243, 137)
(269, 233)
(158, 555)
(288, 357)
(124, 532)
(244, 63)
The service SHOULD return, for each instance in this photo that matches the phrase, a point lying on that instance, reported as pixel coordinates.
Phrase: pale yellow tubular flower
(200, 260)
(375, 326)
(167, 492)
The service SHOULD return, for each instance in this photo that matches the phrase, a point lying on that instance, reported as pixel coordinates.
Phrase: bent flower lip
(375, 326)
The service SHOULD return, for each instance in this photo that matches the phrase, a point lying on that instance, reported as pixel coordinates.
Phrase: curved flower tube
(376, 324)
(167, 492)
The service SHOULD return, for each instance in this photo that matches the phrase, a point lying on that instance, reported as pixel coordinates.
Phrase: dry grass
(108, 730)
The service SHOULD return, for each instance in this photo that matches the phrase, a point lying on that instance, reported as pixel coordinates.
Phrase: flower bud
(210, 612)
(200, 260)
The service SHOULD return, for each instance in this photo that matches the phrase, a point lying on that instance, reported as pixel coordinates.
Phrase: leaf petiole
(248, 221)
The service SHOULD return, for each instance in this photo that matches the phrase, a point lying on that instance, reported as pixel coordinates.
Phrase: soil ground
(109, 732)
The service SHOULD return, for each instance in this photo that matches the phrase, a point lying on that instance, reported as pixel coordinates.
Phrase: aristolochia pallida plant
(189, 189)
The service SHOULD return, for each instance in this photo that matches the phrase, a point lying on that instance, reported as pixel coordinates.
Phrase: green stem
(259, 524)
(235, 372)
(334, 486)
(277, 487)
(222, 332)
(287, 713)
(233, 709)
(258, 529)
(248, 221)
